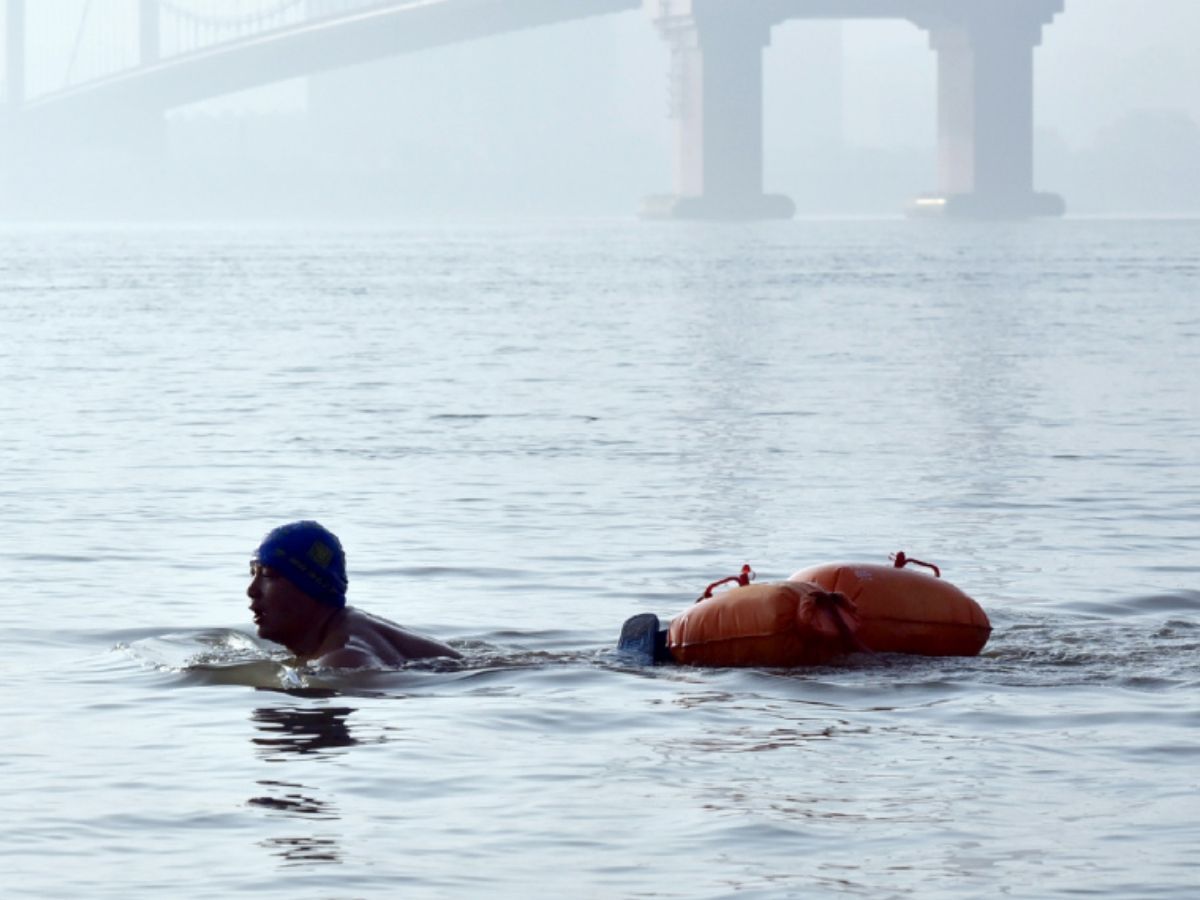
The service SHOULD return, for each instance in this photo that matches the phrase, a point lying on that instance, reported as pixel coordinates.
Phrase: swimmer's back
(361, 639)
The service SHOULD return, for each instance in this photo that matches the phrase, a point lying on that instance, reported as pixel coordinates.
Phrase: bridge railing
(189, 25)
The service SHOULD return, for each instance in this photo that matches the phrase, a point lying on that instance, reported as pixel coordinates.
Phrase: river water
(525, 433)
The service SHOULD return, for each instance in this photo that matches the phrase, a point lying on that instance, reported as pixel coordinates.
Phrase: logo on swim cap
(311, 557)
(321, 554)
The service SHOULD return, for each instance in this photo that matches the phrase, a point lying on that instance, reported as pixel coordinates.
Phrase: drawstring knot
(743, 578)
(901, 560)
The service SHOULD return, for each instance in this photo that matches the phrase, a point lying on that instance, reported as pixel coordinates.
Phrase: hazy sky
(1104, 58)
(1098, 60)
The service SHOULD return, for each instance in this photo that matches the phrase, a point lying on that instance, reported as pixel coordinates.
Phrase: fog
(573, 119)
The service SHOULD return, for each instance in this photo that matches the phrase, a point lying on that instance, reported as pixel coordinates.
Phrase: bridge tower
(716, 100)
(985, 101)
(14, 53)
(149, 44)
(985, 107)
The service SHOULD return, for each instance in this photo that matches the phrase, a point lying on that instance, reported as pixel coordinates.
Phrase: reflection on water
(291, 733)
(304, 850)
(290, 730)
(291, 803)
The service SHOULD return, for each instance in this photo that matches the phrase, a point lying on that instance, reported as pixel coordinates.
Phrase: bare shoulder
(388, 642)
(349, 658)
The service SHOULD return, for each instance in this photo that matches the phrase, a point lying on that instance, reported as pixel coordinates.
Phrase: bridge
(130, 61)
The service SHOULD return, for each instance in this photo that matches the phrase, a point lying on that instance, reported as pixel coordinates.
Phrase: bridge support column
(149, 44)
(14, 53)
(985, 112)
(717, 106)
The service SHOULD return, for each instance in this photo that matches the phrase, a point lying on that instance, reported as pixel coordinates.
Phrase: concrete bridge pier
(985, 112)
(14, 96)
(716, 104)
(149, 42)
(14, 53)
(148, 128)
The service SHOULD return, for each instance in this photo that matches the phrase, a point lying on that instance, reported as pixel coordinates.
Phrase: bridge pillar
(717, 106)
(14, 52)
(149, 45)
(985, 111)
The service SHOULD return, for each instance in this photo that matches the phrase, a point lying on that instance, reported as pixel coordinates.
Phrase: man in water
(298, 597)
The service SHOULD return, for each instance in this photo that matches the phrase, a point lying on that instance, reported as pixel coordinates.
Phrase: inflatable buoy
(785, 624)
(904, 611)
(817, 614)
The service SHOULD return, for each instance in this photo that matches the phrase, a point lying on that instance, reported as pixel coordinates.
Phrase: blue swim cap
(310, 556)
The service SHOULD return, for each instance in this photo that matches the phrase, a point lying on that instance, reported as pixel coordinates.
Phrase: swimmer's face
(280, 608)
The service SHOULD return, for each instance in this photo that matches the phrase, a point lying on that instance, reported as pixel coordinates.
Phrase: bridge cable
(87, 8)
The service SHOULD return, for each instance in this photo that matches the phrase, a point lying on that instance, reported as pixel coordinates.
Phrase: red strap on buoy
(743, 578)
(901, 560)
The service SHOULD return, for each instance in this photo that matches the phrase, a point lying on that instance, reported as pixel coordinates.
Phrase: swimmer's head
(310, 556)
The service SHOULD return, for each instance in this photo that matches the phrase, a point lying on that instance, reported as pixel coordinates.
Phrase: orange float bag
(905, 611)
(784, 624)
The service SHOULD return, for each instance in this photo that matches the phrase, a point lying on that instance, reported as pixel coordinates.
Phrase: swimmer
(298, 597)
